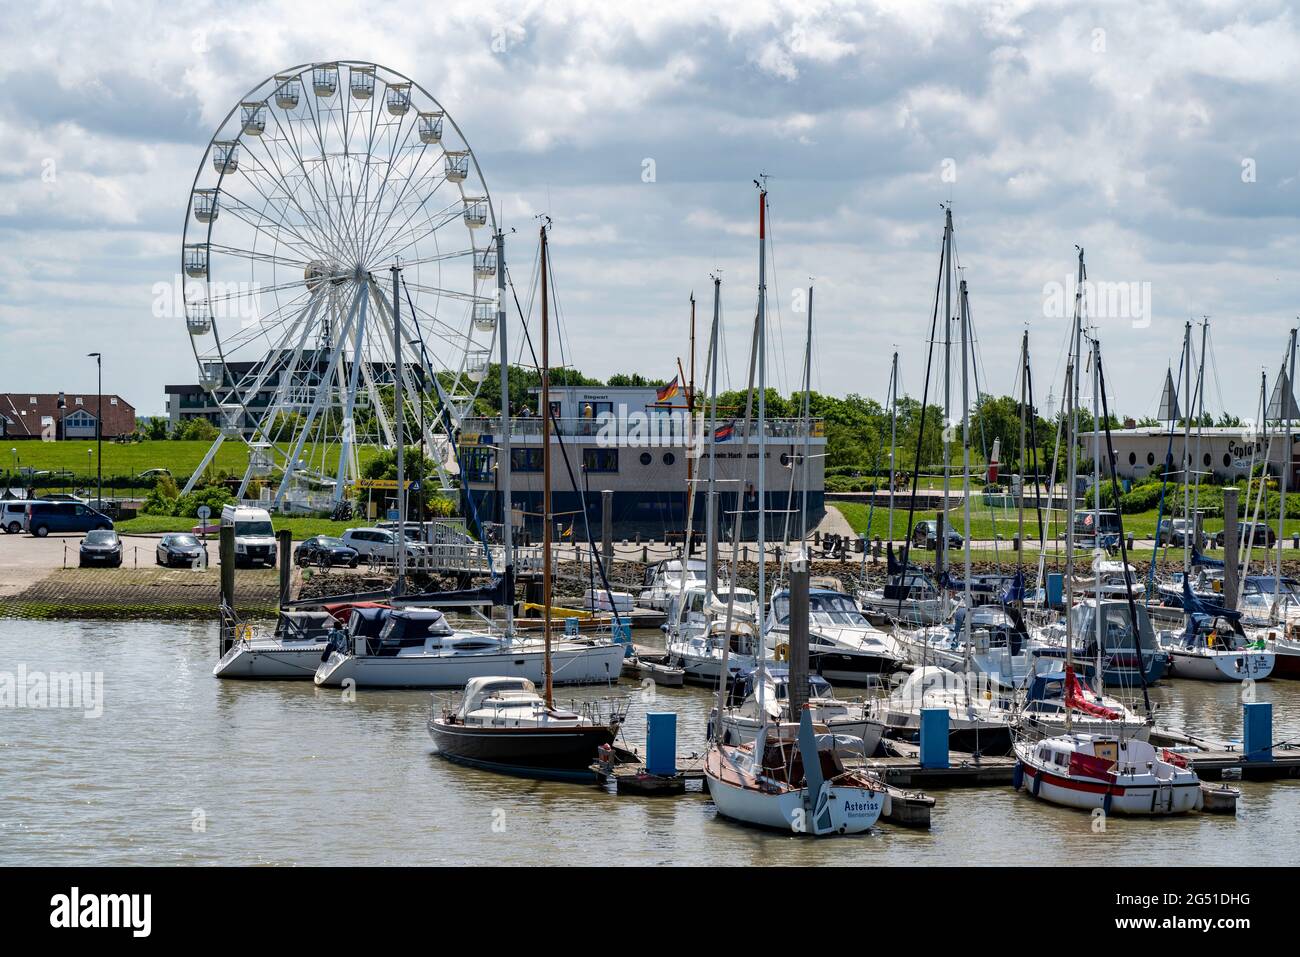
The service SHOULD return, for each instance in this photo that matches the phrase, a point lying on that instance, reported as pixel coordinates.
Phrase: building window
(785, 458)
(525, 460)
(1227, 460)
(600, 460)
(113, 400)
(80, 401)
(1207, 460)
(1151, 458)
(646, 458)
(669, 458)
(1132, 458)
(480, 462)
(32, 400)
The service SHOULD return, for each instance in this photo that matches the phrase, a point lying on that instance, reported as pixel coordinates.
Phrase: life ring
(783, 652)
(244, 632)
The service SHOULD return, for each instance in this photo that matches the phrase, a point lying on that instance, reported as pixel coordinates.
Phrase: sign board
(385, 484)
(203, 511)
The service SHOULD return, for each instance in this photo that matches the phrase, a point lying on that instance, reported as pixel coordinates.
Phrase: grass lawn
(302, 528)
(182, 458)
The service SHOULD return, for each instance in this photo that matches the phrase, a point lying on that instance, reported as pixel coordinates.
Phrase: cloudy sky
(1159, 136)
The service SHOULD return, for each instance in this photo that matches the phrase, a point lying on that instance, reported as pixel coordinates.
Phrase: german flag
(668, 392)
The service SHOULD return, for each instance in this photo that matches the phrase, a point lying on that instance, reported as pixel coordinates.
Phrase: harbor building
(56, 416)
(626, 440)
(1225, 453)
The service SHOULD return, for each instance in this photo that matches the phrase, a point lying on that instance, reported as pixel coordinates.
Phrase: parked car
(1250, 533)
(13, 514)
(45, 517)
(378, 543)
(326, 550)
(101, 547)
(925, 535)
(1176, 531)
(180, 548)
(254, 534)
(153, 475)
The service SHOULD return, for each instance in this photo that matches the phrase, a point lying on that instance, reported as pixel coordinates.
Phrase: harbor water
(182, 768)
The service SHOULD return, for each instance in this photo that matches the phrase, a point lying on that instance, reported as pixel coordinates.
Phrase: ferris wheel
(321, 180)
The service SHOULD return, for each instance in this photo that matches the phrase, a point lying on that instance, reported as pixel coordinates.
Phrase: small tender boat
(503, 724)
(793, 779)
(661, 669)
(1103, 771)
(701, 654)
(668, 580)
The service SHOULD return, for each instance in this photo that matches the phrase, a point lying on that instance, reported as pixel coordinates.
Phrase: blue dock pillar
(934, 737)
(1257, 737)
(661, 743)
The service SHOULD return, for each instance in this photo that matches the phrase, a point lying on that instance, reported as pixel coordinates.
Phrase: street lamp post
(99, 430)
(89, 453)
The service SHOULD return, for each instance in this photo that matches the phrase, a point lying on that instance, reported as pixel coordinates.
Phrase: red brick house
(22, 415)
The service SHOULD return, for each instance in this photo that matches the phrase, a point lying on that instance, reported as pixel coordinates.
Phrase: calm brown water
(183, 768)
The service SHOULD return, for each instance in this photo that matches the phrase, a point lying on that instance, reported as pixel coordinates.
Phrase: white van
(254, 534)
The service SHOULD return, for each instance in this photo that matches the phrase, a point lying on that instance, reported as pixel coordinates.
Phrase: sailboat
(789, 777)
(502, 723)
(419, 648)
(1213, 646)
(1086, 769)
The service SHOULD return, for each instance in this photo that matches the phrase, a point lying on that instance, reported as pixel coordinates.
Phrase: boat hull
(852, 810)
(1091, 794)
(529, 751)
(1221, 666)
(270, 659)
(594, 664)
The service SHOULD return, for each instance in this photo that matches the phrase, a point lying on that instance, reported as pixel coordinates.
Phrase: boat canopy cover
(1196, 606)
(368, 622)
(409, 625)
(478, 689)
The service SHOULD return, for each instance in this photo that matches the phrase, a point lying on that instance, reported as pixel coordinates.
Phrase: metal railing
(669, 427)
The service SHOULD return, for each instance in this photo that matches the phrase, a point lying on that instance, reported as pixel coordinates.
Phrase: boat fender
(1018, 776)
(783, 652)
(1038, 782)
(1105, 802)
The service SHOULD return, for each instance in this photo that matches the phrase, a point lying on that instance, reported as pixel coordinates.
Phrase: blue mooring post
(934, 737)
(661, 743)
(1257, 738)
(1055, 590)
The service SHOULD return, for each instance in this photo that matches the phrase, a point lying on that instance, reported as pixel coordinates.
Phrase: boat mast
(503, 453)
(1187, 444)
(1286, 401)
(1200, 423)
(710, 504)
(399, 439)
(1071, 399)
(893, 443)
(761, 332)
(690, 417)
(1096, 510)
(1024, 402)
(942, 545)
(963, 308)
(807, 420)
(546, 480)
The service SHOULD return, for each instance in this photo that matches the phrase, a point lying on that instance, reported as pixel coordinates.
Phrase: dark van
(46, 517)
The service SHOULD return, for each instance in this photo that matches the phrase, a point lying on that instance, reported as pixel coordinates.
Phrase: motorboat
(843, 646)
(1051, 694)
(700, 655)
(999, 644)
(503, 724)
(669, 578)
(793, 779)
(748, 711)
(977, 722)
(909, 595)
(1107, 772)
(418, 648)
(292, 650)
